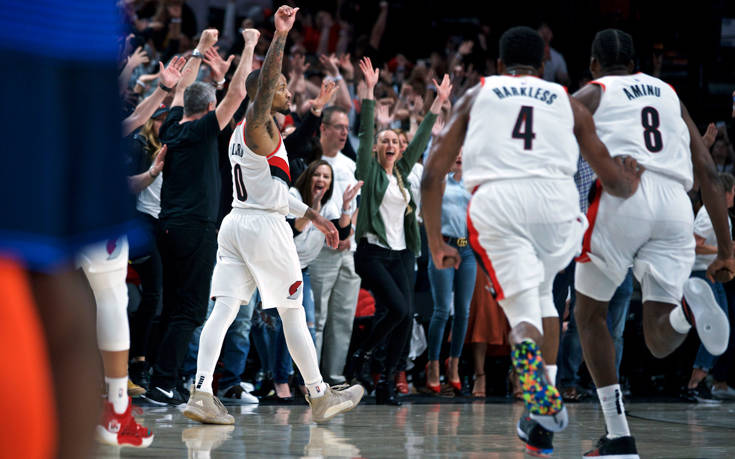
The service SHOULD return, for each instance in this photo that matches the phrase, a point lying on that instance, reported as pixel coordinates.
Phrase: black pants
(188, 252)
(149, 269)
(388, 274)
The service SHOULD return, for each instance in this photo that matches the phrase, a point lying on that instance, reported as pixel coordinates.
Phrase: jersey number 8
(651, 135)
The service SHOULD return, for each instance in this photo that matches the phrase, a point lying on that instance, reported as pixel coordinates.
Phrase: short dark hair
(522, 46)
(613, 48)
(328, 113)
(251, 83)
(727, 181)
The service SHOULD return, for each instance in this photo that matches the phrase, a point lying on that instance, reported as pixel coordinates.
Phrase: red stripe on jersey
(482, 254)
(277, 148)
(602, 85)
(280, 163)
(591, 217)
(673, 88)
(482, 81)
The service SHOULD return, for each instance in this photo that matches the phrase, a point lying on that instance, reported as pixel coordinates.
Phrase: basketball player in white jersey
(521, 138)
(641, 116)
(256, 248)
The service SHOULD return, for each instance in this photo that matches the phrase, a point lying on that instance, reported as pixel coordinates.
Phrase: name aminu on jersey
(637, 90)
(544, 95)
(236, 150)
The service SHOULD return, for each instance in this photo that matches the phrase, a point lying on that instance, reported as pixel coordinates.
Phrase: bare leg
(115, 363)
(453, 370)
(550, 345)
(66, 308)
(432, 373)
(479, 351)
(597, 344)
(660, 336)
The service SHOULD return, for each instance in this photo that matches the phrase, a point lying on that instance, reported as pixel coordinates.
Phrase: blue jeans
(570, 352)
(235, 348)
(269, 340)
(443, 282)
(704, 360)
(309, 304)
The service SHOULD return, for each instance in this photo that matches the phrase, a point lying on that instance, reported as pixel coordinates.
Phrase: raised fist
(209, 38)
(284, 18)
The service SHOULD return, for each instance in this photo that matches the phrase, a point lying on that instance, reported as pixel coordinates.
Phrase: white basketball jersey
(520, 127)
(258, 182)
(640, 116)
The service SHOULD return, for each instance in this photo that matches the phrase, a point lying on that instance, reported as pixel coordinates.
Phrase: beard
(284, 110)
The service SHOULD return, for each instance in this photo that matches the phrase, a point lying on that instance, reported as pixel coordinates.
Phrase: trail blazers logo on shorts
(293, 290)
(114, 248)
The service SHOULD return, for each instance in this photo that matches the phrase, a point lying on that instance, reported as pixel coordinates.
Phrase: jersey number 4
(651, 135)
(242, 194)
(524, 127)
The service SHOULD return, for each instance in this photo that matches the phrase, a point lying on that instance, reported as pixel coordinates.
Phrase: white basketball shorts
(652, 231)
(525, 231)
(256, 250)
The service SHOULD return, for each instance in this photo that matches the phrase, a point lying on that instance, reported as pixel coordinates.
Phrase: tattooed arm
(261, 133)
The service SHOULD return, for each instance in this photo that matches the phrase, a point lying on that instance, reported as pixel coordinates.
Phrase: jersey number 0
(242, 194)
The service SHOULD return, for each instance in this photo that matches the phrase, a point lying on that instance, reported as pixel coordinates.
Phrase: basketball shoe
(703, 312)
(618, 448)
(122, 429)
(206, 408)
(337, 399)
(539, 441)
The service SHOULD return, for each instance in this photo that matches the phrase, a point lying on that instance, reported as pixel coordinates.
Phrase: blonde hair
(153, 143)
(404, 192)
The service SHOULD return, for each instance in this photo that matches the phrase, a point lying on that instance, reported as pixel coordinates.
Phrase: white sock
(551, 374)
(302, 350)
(611, 399)
(210, 342)
(316, 390)
(203, 382)
(678, 320)
(117, 393)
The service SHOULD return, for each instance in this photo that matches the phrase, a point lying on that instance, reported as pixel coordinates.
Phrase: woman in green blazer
(387, 233)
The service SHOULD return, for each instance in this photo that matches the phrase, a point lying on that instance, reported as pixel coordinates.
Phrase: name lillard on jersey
(544, 95)
(637, 90)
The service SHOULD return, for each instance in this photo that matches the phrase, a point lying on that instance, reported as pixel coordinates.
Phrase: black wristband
(165, 88)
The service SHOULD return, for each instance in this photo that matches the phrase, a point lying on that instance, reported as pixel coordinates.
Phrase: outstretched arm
(260, 131)
(443, 154)
(619, 176)
(723, 268)
(208, 39)
(168, 78)
(236, 92)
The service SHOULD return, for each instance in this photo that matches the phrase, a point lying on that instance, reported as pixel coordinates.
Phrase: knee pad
(523, 307)
(113, 334)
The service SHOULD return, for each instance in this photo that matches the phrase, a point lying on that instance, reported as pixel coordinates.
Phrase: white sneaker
(710, 321)
(237, 394)
(336, 400)
(206, 408)
(723, 394)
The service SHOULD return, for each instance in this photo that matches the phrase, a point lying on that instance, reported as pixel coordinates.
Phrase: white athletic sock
(611, 399)
(551, 374)
(117, 393)
(316, 390)
(678, 320)
(301, 347)
(210, 342)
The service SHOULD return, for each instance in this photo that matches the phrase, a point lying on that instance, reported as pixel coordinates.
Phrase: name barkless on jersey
(637, 90)
(544, 95)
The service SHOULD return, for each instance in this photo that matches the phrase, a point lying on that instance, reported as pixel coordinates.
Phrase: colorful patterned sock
(540, 396)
